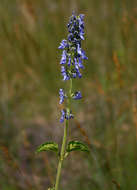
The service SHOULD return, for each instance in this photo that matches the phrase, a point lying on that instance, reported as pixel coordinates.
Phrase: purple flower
(72, 58)
(84, 55)
(76, 70)
(70, 37)
(77, 95)
(81, 35)
(64, 57)
(74, 52)
(69, 116)
(78, 74)
(76, 63)
(63, 113)
(74, 75)
(82, 17)
(80, 63)
(79, 50)
(81, 26)
(63, 44)
(62, 96)
(69, 61)
(64, 73)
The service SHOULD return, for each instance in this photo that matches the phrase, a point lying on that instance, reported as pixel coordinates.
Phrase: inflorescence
(72, 59)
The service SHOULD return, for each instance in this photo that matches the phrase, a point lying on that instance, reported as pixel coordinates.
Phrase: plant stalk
(63, 147)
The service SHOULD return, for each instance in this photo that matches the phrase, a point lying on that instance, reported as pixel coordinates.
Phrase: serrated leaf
(48, 146)
(76, 145)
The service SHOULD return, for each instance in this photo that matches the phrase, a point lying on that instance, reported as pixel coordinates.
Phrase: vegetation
(105, 119)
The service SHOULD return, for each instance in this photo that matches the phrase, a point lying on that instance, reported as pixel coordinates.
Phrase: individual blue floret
(64, 57)
(62, 96)
(63, 44)
(64, 73)
(63, 113)
(77, 95)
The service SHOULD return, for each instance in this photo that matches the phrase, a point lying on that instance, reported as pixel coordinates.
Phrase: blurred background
(105, 119)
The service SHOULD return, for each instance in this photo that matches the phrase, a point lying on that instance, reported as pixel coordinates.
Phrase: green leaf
(48, 146)
(51, 188)
(76, 145)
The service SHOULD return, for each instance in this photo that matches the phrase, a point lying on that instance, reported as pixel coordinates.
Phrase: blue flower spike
(72, 58)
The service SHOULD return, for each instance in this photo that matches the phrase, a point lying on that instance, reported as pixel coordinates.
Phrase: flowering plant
(71, 64)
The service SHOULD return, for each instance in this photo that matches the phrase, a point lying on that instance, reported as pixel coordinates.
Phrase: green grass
(30, 32)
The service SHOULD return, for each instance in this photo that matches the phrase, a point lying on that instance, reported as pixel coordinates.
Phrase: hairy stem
(63, 147)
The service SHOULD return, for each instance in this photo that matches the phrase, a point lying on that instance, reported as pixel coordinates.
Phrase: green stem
(61, 158)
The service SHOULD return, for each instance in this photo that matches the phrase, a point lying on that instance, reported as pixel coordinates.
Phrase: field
(105, 118)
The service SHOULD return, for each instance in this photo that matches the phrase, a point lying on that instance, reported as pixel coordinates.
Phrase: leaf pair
(72, 146)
